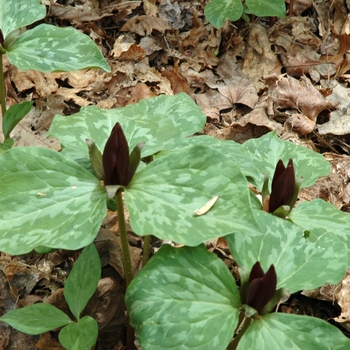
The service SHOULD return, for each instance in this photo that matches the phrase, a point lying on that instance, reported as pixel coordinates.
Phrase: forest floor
(290, 75)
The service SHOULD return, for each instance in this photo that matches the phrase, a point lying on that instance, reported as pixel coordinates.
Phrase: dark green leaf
(36, 318)
(82, 280)
(217, 11)
(79, 336)
(264, 8)
(14, 115)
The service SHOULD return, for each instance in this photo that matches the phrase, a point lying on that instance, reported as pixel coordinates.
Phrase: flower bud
(261, 287)
(116, 158)
(283, 186)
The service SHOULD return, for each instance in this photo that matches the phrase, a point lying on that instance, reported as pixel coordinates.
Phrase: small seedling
(81, 284)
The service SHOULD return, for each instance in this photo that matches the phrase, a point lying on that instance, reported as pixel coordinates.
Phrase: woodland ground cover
(237, 76)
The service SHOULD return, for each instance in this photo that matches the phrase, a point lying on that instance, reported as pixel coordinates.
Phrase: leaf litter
(290, 75)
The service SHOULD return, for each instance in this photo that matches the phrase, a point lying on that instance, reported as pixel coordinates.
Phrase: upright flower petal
(261, 288)
(116, 158)
(283, 186)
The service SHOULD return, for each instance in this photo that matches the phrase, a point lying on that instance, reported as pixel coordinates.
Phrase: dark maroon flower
(261, 287)
(2, 41)
(116, 158)
(283, 186)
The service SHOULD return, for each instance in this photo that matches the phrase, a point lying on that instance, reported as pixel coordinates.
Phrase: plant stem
(124, 238)
(146, 248)
(130, 335)
(2, 88)
(246, 322)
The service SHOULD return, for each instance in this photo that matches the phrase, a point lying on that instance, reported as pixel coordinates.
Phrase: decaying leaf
(206, 207)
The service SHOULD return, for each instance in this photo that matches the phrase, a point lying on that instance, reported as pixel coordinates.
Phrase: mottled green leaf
(300, 263)
(47, 200)
(163, 196)
(36, 319)
(19, 13)
(293, 332)
(217, 11)
(82, 281)
(184, 298)
(159, 121)
(263, 8)
(47, 48)
(14, 115)
(268, 149)
(79, 336)
(231, 149)
(322, 217)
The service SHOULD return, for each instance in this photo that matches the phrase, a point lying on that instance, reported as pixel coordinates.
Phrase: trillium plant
(187, 190)
(45, 48)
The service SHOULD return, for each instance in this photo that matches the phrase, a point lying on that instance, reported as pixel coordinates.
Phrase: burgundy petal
(115, 158)
(283, 186)
(261, 289)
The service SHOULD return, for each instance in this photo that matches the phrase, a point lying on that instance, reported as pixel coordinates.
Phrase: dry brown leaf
(259, 59)
(143, 25)
(177, 84)
(289, 93)
(301, 123)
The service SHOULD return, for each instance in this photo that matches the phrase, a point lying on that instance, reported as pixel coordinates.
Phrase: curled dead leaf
(206, 207)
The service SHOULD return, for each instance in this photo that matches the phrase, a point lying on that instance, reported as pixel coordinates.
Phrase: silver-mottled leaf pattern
(162, 197)
(47, 48)
(322, 217)
(15, 14)
(300, 263)
(184, 298)
(231, 149)
(160, 122)
(47, 200)
(278, 331)
(268, 149)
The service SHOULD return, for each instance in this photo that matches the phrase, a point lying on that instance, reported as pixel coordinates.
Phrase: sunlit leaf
(47, 48)
(322, 217)
(217, 11)
(19, 13)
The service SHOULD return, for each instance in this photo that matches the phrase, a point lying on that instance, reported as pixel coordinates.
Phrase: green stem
(246, 323)
(130, 334)
(124, 238)
(2, 88)
(146, 249)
